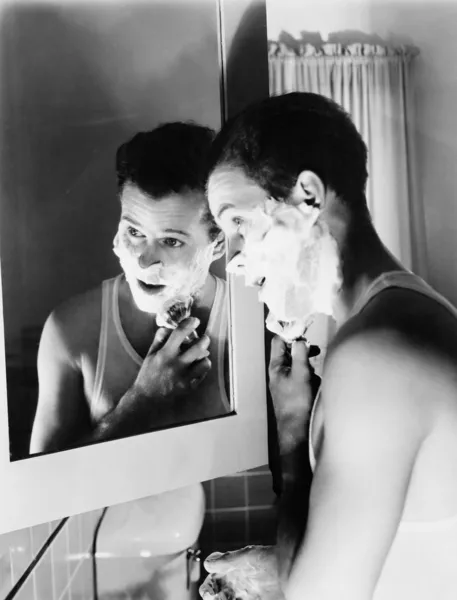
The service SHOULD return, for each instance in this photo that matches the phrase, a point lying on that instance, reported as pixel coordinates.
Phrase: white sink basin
(154, 526)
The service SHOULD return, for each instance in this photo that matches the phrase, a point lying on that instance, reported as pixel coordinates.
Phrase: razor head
(174, 311)
(289, 331)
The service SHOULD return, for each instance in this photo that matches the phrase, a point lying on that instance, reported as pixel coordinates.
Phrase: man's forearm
(136, 413)
(293, 435)
(293, 503)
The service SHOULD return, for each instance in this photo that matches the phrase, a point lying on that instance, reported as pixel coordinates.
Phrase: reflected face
(283, 249)
(163, 246)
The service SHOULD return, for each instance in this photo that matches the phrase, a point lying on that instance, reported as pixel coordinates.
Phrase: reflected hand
(247, 574)
(168, 371)
(293, 386)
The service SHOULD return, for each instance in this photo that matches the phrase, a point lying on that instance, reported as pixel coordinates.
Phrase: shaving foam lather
(174, 311)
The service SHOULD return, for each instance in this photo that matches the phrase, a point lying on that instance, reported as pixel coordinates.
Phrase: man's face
(283, 249)
(163, 246)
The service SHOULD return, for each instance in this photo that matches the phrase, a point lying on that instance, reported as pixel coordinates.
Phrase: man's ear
(308, 192)
(219, 246)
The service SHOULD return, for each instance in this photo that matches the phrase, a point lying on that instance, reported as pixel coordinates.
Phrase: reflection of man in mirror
(288, 188)
(106, 369)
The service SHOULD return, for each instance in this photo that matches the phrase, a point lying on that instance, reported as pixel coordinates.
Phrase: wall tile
(66, 595)
(27, 591)
(260, 490)
(230, 492)
(59, 562)
(226, 528)
(88, 522)
(230, 527)
(20, 548)
(81, 585)
(40, 534)
(53, 524)
(6, 576)
(44, 578)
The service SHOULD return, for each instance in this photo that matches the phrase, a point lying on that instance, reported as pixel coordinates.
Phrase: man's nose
(148, 257)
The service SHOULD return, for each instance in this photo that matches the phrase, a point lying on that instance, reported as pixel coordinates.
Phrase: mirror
(79, 81)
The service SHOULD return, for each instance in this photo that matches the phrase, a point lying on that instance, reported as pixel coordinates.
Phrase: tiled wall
(239, 511)
(51, 561)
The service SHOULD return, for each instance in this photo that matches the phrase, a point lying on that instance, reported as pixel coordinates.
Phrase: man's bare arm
(375, 420)
(155, 399)
(62, 413)
(293, 387)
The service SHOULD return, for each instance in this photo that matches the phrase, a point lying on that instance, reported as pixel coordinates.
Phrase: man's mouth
(150, 288)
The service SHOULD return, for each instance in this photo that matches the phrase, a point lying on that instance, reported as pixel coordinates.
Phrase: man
(382, 519)
(106, 370)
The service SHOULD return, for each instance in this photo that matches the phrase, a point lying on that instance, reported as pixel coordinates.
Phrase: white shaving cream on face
(184, 280)
(297, 257)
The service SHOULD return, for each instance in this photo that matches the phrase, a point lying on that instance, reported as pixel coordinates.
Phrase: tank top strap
(107, 292)
(213, 326)
(312, 457)
(217, 331)
(404, 280)
(384, 281)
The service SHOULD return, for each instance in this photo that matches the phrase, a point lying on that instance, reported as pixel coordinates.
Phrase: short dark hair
(173, 158)
(276, 139)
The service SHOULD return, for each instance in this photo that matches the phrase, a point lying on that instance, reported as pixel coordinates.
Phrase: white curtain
(373, 84)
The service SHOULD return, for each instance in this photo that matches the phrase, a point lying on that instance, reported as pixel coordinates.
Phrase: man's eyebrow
(130, 220)
(168, 230)
(179, 231)
(223, 208)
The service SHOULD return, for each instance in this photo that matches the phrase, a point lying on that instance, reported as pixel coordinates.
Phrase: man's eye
(173, 242)
(237, 221)
(134, 232)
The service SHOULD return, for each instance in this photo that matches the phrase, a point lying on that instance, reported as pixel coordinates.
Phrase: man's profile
(382, 432)
(106, 369)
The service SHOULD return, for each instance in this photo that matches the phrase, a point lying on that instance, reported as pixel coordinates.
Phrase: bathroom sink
(142, 547)
(154, 526)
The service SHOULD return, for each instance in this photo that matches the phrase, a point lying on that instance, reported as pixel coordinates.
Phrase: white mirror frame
(48, 487)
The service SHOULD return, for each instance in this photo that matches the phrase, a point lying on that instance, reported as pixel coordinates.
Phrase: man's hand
(168, 371)
(247, 574)
(293, 386)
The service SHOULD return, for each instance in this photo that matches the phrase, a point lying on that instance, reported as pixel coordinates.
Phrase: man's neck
(363, 259)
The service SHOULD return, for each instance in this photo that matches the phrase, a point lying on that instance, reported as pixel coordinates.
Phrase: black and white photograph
(228, 335)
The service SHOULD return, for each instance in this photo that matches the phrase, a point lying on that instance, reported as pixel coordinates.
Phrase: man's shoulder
(374, 374)
(404, 325)
(409, 312)
(373, 366)
(364, 346)
(79, 307)
(76, 321)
